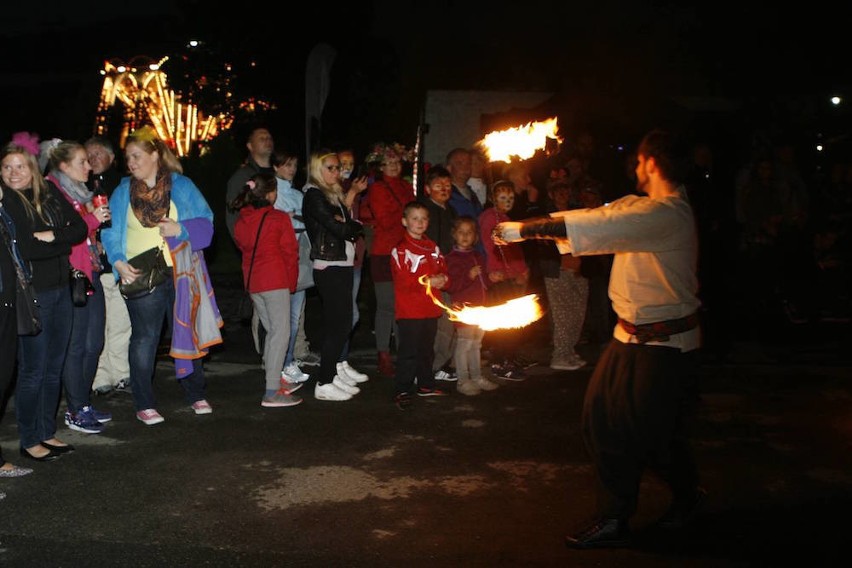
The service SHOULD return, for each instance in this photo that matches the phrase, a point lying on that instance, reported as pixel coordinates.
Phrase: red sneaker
(423, 391)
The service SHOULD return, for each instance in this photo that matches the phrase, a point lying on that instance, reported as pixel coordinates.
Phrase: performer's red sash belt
(659, 330)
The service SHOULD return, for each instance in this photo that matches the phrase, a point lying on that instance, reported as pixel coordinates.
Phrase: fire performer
(643, 388)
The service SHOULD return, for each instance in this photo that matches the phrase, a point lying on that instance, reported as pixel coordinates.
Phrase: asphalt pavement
(491, 480)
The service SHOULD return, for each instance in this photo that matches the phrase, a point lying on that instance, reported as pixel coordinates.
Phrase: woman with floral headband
(55, 226)
(387, 198)
(157, 206)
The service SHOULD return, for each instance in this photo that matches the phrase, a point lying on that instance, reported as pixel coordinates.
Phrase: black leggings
(334, 284)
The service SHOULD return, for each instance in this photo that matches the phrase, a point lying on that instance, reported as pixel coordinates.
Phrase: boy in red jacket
(416, 256)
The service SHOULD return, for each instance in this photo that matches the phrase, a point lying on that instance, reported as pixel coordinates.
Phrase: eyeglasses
(333, 168)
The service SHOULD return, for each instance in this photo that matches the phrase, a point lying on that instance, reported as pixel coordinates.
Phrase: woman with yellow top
(157, 206)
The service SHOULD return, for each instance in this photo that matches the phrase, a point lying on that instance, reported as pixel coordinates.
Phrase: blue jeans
(84, 349)
(147, 316)
(297, 304)
(40, 361)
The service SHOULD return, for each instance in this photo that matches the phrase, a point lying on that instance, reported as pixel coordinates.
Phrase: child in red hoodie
(416, 256)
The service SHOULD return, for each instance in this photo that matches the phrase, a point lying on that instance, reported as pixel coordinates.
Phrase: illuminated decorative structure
(141, 87)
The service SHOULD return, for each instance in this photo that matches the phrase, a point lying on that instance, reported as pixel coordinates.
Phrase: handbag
(27, 309)
(154, 271)
(306, 265)
(81, 288)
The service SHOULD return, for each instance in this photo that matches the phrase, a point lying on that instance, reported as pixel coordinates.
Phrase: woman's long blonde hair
(333, 193)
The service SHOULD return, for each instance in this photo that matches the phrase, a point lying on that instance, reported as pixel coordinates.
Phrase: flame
(521, 141)
(517, 312)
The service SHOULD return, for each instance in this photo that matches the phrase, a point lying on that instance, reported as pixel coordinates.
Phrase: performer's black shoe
(681, 512)
(605, 533)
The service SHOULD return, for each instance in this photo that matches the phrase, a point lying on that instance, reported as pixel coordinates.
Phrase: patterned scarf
(151, 204)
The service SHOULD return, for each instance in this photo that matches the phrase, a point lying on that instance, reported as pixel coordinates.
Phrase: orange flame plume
(517, 312)
(522, 141)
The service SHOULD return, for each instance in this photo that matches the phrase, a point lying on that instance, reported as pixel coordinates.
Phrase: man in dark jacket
(260, 146)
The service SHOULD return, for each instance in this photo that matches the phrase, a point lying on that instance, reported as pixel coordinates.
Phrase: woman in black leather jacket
(332, 232)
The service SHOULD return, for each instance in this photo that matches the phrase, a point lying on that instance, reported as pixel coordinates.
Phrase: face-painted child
(503, 197)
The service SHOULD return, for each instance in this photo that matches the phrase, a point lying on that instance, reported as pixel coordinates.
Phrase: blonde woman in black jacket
(333, 233)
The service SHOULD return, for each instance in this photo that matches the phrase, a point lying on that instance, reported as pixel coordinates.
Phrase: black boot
(682, 511)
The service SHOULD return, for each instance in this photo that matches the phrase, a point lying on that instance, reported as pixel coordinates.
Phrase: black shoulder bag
(244, 309)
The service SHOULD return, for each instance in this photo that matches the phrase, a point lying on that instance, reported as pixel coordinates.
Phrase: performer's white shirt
(655, 253)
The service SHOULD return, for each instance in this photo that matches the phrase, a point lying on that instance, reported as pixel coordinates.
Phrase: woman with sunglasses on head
(333, 232)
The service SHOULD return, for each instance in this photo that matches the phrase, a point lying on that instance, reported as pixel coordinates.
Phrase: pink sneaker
(150, 416)
(202, 407)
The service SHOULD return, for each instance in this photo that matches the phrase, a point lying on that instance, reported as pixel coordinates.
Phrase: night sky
(778, 63)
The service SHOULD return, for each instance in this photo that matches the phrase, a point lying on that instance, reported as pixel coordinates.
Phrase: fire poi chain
(515, 313)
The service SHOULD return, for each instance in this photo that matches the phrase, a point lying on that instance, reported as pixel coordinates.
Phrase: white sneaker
(346, 379)
(344, 368)
(329, 391)
(442, 375)
(485, 384)
(468, 387)
(293, 374)
(344, 385)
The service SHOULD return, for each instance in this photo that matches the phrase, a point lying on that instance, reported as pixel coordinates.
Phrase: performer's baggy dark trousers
(635, 416)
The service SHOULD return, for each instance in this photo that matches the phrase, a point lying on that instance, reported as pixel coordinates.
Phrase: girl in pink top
(507, 269)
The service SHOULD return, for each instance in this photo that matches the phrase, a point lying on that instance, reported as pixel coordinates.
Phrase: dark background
(779, 63)
(730, 73)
